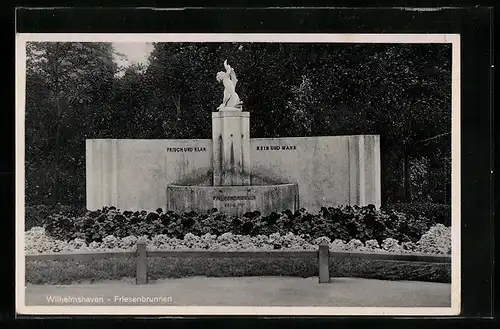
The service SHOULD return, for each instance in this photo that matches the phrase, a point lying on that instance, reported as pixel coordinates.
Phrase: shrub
(436, 241)
(342, 223)
(372, 245)
(391, 244)
(37, 215)
(432, 212)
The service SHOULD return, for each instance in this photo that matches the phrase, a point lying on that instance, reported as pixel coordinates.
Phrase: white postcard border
(21, 308)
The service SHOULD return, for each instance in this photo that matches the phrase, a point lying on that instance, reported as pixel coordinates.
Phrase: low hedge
(67, 272)
(344, 223)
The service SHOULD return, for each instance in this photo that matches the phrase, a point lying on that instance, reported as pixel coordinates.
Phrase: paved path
(252, 291)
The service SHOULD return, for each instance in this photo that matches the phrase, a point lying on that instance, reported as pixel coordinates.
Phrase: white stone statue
(228, 78)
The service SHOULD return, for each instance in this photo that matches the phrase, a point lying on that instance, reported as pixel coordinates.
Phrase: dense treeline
(401, 92)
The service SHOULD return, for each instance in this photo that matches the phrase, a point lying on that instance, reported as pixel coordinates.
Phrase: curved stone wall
(233, 200)
(329, 170)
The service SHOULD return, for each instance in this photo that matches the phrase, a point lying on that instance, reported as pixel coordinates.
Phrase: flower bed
(341, 223)
(436, 241)
(344, 228)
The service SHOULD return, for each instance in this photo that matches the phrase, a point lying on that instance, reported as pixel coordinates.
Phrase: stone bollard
(142, 264)
(323, 262)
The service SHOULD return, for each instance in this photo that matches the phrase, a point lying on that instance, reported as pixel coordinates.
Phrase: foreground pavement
(246, 291)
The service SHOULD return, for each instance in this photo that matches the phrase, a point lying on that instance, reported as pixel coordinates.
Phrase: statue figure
(228, 78)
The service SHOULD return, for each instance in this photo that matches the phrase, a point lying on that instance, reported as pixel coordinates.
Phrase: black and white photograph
(263, 174)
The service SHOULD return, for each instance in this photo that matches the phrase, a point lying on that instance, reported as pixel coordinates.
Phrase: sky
(135, 53)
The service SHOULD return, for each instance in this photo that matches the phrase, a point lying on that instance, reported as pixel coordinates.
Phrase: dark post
(323, 262)
(141, 275)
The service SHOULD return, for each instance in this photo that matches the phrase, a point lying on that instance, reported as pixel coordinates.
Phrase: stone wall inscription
(186, 149)
(277, 148)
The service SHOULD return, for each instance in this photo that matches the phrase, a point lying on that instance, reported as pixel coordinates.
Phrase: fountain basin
(233, 200)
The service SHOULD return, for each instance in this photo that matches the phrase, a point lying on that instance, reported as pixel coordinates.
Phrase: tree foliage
(67, 101)
(400, 91)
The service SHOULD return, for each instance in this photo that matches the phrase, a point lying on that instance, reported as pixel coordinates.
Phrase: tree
(302, 107)
(400, 91)
(67, 85)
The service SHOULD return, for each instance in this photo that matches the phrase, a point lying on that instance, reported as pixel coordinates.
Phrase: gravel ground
(249, 291)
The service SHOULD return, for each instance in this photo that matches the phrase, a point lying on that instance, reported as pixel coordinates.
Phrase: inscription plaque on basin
(233, 200)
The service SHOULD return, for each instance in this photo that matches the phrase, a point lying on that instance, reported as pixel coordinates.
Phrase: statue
(228, 78)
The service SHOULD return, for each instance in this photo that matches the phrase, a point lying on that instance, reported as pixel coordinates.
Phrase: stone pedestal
(231, 147)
